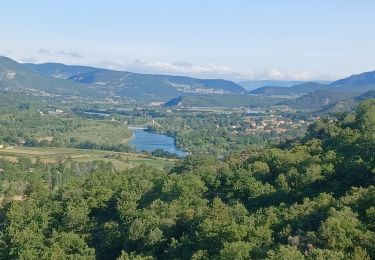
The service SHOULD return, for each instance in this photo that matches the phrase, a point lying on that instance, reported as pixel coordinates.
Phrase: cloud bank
(211, 70)
(179, 67)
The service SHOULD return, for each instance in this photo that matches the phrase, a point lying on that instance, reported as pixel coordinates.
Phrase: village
(268, 124)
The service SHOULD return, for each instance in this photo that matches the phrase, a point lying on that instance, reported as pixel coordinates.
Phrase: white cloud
(212, 70)
(180, 67)
(6, 52)
(72, 54)
(44, 51)
(276, 74)
(182, 64)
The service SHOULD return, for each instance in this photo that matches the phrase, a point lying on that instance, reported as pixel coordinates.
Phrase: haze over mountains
(85, 81)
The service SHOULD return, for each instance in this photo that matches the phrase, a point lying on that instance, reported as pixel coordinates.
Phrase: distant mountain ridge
(250, 85)
(358, 83)
(132, 84)
(58, 70)
(294, 90)
(129, 84)
(86, 81)
(17, 77)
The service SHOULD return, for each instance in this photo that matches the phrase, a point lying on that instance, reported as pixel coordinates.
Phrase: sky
(230, 39)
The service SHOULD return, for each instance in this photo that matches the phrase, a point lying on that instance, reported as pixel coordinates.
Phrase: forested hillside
(319, 99)
(308, 199)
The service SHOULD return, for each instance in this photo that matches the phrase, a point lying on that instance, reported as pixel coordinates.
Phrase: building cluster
(267, 124)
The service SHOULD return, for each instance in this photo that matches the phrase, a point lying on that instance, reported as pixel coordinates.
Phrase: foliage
(311, 199)
(33, 128)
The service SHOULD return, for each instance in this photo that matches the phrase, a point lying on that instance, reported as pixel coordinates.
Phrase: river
(148, 141)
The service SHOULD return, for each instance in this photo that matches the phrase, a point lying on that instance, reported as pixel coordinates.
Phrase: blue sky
(238, 39)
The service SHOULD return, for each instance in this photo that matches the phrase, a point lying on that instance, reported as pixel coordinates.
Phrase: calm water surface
(148, 141)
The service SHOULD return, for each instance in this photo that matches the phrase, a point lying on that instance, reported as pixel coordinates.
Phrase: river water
(148, 141)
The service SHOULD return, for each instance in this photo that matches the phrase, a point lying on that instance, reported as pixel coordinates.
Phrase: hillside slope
(58, 70)
(319, 99)
(356, 83)
(347, 105)
(17, 77)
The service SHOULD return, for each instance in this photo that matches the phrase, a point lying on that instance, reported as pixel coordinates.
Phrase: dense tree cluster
(309, 199)
(33, 128)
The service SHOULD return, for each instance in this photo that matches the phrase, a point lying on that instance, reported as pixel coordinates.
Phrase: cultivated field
(119, 160)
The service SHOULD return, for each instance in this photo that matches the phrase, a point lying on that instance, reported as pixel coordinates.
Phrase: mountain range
(250, 85)
(60, 79)
(129, 84)
(358, 83)
(17, 77)
(85, 81)
(299, 89)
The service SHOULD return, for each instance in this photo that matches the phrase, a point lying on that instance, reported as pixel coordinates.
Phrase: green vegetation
(37, 128)
(119, 160)
(319, 99)
(220, 133)
(347, 105)
(207, 132)
(216, 131)
(312, 198)
(11, 102)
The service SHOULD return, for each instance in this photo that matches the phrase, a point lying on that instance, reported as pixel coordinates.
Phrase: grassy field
(119, 160)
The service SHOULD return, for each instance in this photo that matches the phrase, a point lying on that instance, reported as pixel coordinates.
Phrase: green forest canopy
(308, 199)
